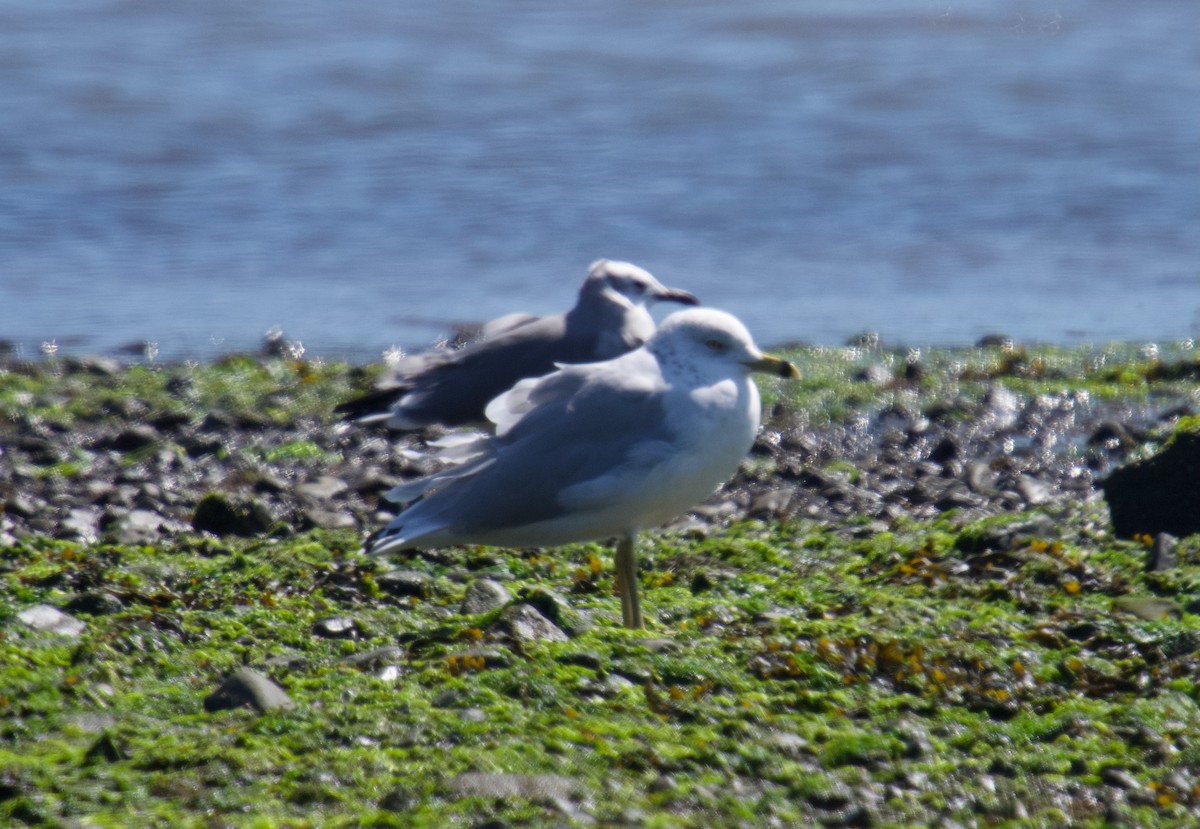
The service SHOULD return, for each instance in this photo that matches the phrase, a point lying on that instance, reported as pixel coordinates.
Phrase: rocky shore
(136, 470)
(909, 607)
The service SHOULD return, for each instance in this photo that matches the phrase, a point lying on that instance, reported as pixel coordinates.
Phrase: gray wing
(579, 431)
(457, 390)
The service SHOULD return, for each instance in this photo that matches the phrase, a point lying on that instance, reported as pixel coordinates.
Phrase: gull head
(635, 285)
(709, 337)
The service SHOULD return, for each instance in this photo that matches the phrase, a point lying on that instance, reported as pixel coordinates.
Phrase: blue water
(363, 174)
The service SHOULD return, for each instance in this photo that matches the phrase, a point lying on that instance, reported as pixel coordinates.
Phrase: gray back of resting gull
(453, 387)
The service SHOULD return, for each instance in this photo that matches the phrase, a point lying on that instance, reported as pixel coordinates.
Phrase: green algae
(793, 673)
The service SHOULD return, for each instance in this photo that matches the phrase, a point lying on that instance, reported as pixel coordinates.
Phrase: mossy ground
(976, 673)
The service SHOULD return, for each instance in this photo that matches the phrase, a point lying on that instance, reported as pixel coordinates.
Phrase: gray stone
(525, 624)
(772, 503)
(1033, 491)
(82, 524)
(323, 488)
(497, 786)
(405, 583)
(484, 596)
(1163, 555)
(139, 526)
(46, 619)
(326, 519)
(336, 627)
(248, 687)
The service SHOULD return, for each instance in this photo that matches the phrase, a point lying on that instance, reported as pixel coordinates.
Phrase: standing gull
(598, 450)
(454, 387)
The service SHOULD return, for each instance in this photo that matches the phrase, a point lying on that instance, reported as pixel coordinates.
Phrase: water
(365, 174)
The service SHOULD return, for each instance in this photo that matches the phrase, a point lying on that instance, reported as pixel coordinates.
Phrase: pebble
(525, 624)
(46, 619)
(405, 583)
(248, 687)
(484, 596)
(336, 627)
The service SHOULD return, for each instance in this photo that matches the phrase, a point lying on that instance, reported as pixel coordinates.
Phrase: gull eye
(716, 345)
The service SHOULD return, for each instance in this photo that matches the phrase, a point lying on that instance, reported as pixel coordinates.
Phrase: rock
(104, 749)
(1033, 491)
(405, 583)
(772, 503)
(132, 438)
(1150, 608)
(46, 619)
(137, 527)
(1002, 406)
(383, 662)
(876, 374)
(1118, 778)
(324, 488)
(336, 627)
(95, 603)
(525, 624)
(248, 687)
(232, 515)
(483, 596)
(497, 786)
(1158, 494)
(327, 519)
(557, 610)
(81, 523)
(1163, 555)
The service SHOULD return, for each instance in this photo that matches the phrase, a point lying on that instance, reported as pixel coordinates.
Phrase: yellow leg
(626, 566)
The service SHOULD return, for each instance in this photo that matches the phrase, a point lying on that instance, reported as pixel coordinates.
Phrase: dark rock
(95, 603)
(248, 687)
(222, 514)
(46, 619)
(132, 438)
(105, 749)
(1111, 435)
(198, 446)
(268, 481)
(405, 583)
(1159, 494)
(1118, 778)
(1163, 555)
(947, 449)
(169, 421)
(484, 596)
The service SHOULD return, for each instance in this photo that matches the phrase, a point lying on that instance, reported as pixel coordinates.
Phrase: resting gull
(453, 387)
(597, 450)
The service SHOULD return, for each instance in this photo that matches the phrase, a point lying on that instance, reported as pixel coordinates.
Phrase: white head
(613, 279)
(709, 337)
